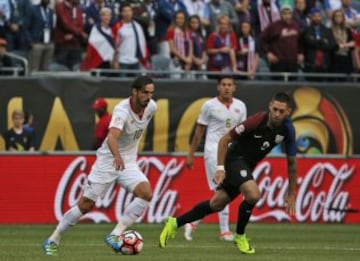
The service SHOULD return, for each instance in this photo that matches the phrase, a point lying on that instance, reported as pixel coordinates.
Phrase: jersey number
(228, 123)
(137, 134)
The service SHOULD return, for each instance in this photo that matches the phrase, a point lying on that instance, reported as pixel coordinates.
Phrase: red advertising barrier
(40, 188)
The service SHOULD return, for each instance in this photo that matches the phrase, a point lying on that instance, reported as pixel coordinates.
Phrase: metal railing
(11, 71)
(282, 76)
(15, 69)
(192, 75)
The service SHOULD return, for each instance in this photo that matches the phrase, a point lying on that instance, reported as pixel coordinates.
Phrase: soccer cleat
(50, 248)
(169, 231)
(189, 229)
(226, 236)
(243, 244)
(112, 241)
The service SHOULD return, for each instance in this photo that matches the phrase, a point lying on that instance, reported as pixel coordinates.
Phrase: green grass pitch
(308, 242)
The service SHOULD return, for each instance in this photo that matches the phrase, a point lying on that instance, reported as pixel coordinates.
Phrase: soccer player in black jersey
(238, 153)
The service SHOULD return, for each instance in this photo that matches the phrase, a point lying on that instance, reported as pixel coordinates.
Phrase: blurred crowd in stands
(184, 36)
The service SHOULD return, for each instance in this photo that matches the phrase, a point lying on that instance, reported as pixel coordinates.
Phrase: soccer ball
(130, 242)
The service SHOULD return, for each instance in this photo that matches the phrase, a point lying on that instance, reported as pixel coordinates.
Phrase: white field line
(202, 246)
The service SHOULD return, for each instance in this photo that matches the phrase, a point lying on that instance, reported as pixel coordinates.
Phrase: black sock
(198, 212)
(243, 217)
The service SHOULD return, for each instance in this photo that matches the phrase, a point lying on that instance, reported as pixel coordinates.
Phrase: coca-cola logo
(321, 194)
(315, 201)
(163, 203)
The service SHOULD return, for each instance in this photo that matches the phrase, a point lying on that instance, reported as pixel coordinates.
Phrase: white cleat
(227, 236)
(189, 229)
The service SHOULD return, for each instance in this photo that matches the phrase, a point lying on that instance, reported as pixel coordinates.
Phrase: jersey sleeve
(290, 139)
(118, 118)
(204, 116)
(248, 125)
(243, 112)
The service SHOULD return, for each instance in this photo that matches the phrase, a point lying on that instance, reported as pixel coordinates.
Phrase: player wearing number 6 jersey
(217, 116)
(116, 162)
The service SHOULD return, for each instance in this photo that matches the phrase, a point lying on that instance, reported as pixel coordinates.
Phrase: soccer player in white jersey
(217, 117)
(116, 162)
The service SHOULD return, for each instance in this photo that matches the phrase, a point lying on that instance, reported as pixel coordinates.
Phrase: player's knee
(143, 191)
(253, 198)
(86, 205)
(147, 196)
(217, 205)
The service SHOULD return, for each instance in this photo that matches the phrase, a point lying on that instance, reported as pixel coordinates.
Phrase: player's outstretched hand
(219, 177)
(290, 204)
(118, 163)
(189, 161)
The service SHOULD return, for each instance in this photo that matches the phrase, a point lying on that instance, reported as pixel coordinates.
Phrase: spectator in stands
(342, 56)
(301, 14)
(151, 39)
(5, 11)
(101, 128)
(199, 8)
(151, 36)
(310, 4)
(17, 35)
(247, 51)
(281, 41)
(5, 61)
(357, 54)
(41, 27)
(17, 138)
(180, 44)
(28, 124)
(69, 34)
(242, 8)
(100, 52)
(164, 17)
(130, 42)
(92, 14)
(352, 16)
(221, 48)
(264, 13)
(198, 44)
(330, 6)
(28, 121)
(217, 8)
(318, 45)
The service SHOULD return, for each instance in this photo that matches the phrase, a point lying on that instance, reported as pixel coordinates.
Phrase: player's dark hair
(283, 97)
(226, 76)
(141, 81)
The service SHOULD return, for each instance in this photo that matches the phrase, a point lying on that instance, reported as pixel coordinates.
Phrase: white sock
(224, 219)
(195, 223)
(70, 218)
(132, 212)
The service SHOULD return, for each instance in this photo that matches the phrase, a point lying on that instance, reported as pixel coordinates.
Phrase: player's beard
(144, 104)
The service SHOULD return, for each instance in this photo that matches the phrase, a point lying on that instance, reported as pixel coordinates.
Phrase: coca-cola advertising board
(39, 189)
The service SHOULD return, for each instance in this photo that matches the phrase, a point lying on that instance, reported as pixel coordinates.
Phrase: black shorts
(237, 172)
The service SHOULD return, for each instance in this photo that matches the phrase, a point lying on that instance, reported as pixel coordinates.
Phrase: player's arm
(291, 149)
(292, 176)
(222, 151)
(199, 132)
(112, 141)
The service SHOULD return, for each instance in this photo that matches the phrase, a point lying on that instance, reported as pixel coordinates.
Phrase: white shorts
(128, 179)
(95, 190)
(210, 169)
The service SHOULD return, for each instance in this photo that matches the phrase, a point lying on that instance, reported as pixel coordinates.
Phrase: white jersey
(219, 119)
(132, 128)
